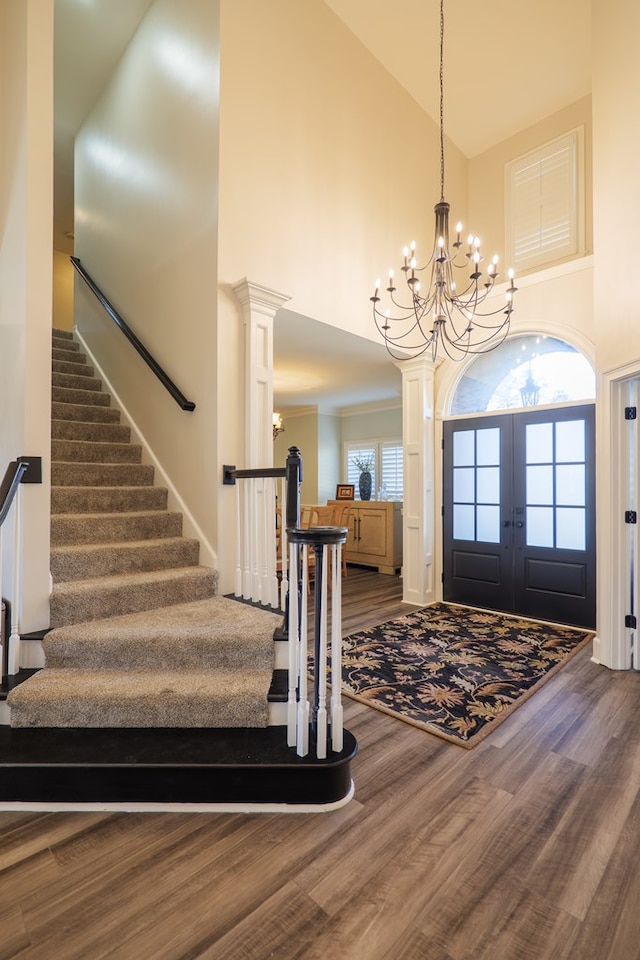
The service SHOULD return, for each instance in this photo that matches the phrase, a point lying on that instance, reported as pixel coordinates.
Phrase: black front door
(519, 513)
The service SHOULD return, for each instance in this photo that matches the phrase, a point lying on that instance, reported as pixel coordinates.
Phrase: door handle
(519, 523)
(506, 523)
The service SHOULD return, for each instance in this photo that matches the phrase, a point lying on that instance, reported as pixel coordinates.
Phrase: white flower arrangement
(364, 463)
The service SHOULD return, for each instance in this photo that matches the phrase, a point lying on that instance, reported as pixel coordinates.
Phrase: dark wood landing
(10, 682)
(167, 766)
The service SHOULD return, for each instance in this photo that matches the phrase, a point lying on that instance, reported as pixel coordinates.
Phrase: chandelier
(440, 315)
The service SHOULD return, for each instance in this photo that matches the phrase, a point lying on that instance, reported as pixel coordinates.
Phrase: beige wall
(328, 168)
(320, 437)
(26, 159)
(63, 281)
(146, 229)
(616, 148)
(301, 431)
(487, 175)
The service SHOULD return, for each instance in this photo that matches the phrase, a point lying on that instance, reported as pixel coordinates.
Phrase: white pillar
(418, 520)
(259, 306)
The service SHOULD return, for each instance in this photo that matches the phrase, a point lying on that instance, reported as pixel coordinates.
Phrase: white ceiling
(507, 66)
(329, 368)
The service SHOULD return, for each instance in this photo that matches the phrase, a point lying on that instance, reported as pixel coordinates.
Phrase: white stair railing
(313, 725)
(267, 503)
(10, 510)
(273, 557)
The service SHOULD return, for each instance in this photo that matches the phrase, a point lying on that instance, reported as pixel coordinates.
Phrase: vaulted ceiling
(507, 66)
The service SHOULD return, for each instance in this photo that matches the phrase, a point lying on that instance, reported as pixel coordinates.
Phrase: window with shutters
(545, 203)
(386, 471)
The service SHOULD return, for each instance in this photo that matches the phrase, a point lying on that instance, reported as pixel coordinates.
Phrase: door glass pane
(570, 441)
(571, 528)
(539, 441)
(488, 447)
(570, 485)
(540, 484)
(463, 522)
(488, 485)
(540, 526)
(463, 485)
(488, 524)
(463, 448)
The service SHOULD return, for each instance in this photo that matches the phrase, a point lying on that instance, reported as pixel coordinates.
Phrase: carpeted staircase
(139, 637)
(155, 690)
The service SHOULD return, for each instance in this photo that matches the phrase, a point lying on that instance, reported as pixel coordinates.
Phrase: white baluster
(303, 701)
(321, 665)
(255, 541)
(16, 610)
(284, 549)
(239, 554)
(337, 723)
(246, 539)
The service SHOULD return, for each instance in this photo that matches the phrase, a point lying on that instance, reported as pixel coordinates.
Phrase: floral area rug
(455, 671)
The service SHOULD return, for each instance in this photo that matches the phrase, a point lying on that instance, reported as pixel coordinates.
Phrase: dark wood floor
(525, 848)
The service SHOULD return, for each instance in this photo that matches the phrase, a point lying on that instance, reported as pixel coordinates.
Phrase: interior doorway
(519, 513)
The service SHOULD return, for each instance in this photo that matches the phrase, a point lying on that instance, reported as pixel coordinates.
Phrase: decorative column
(418, 518)
(259, 306)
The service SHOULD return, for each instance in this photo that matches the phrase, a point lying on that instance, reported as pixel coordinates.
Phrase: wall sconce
(277, 425)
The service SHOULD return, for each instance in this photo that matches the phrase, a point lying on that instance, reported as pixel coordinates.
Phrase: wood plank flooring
(524, 848)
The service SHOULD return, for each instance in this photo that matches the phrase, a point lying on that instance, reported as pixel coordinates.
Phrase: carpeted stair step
(107, 499)
(63, 334)
(78, 367)
(90, 432)
(101, 474)
(216, 633)
(70, 382)
(141, 698)
(135, 556)
(99, 598)
(94, 398)
(66, 354)
(70, 528)
(84, 412)
(87, 451)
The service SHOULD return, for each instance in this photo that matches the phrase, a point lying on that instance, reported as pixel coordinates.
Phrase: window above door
(524, 371)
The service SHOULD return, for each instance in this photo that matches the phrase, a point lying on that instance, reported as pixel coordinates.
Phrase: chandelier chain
(437, 313)
(441, 101)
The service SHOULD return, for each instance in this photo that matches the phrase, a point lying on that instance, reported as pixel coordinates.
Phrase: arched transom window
(525, 371)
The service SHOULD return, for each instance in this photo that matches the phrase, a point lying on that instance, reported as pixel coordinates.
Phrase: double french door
(519, 513)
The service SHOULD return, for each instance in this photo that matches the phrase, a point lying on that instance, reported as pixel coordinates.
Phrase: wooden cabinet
(375, 534)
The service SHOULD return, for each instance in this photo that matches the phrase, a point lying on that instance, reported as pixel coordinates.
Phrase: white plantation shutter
(391, 469)
(387, 469)
(544, 215)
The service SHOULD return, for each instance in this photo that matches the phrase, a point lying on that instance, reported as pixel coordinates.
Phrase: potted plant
(364, 463)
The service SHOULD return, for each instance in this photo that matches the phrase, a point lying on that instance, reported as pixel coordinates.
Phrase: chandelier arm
(384, 329)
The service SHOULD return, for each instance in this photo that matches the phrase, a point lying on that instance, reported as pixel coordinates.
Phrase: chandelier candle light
(441, 316)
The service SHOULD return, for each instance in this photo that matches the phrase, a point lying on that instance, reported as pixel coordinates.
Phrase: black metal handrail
(293, 473)
(9, 486)
(163, 377)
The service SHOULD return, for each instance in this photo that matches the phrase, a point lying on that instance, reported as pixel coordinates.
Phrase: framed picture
(345, 491)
